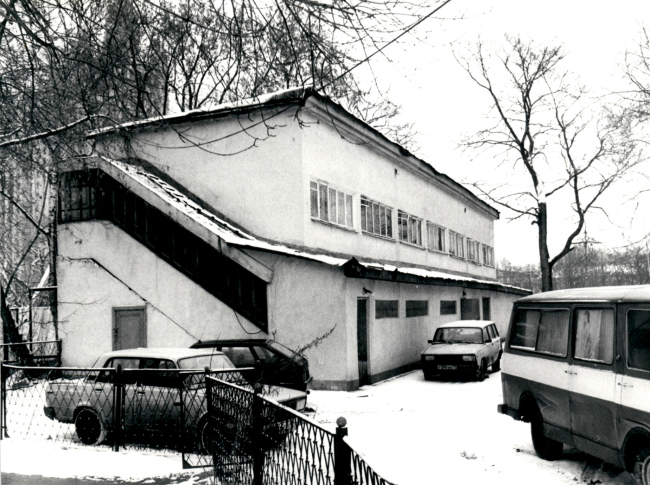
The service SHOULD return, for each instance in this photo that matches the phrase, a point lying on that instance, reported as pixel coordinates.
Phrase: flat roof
(618, 294)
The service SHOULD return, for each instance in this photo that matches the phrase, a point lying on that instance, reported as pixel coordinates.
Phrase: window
(417, 308)
(490, 332)
(473, 249)
(376, 218)
(595, 335)
(638, 339)
(386, 309)
(435, 237)
(488, 255)
(456, 245)
(330, 205)
(447, 307)
(410, 228)
(544, 331)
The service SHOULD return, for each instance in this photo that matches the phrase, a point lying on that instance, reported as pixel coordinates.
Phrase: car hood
(452, 349)
(282, 394)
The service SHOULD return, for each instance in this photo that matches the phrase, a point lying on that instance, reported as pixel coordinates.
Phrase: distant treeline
(582, 267)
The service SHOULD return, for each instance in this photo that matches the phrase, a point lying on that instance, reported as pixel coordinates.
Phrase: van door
(592, 380)
(634, 381)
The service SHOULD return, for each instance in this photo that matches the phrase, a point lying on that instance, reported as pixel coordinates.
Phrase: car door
(158, 395)
(495, 343)
(592, 378)
(129, 388)
(634, 377)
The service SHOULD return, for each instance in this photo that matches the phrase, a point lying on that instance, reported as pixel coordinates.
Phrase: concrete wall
(100, 268)
(257, 173)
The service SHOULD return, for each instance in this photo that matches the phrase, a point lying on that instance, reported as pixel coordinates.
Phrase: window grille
(386, 309)
(417, 308)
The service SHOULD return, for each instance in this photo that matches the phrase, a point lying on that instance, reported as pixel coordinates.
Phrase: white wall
(178, 311)
(259, 178)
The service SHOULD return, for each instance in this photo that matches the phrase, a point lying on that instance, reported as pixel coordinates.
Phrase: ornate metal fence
(256, 441)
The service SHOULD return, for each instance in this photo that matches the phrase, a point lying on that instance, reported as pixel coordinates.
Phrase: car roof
(173, 353)
(467, 323)
(621, 294)
(230, 342)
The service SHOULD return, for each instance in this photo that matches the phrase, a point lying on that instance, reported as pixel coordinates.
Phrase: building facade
(282, 216)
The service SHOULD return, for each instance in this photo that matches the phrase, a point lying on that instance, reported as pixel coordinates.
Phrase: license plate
(447, 367)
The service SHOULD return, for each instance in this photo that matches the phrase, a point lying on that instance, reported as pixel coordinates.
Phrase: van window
(544, 331)
(638, 339)
(595, 335)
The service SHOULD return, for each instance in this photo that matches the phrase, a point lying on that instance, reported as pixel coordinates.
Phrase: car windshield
(202, 361)
(455, 335)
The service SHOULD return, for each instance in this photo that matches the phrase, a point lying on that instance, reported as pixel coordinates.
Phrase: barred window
(376, 218)
(330, 205)
(447, 307)
(386, 309)
(473, 250)
(436, 237)
(410, 228)
(417, 308)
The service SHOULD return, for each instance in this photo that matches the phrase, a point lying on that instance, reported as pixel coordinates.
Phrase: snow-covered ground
(409, 430)
(414, 432)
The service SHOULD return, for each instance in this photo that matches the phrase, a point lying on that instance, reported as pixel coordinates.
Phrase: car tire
(481, 371)
(427, 376)
(546, 448)
(205, 444)
(89, 427)
(496, 365)
(641, 470)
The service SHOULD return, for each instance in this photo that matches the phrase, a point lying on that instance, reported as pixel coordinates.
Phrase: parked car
(576, 366)
(153, 386)
(466, 347)
(279, 365)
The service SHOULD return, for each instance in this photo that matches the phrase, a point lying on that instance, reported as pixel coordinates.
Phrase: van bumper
(504, 409)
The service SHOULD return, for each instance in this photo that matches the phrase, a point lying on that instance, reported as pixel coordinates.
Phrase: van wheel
(496, 365)
(641, 469)
(90, 429)
(482, 370)
(545, 447)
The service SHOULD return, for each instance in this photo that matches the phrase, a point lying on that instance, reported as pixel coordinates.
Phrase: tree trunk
(544, 265)
(10, 331)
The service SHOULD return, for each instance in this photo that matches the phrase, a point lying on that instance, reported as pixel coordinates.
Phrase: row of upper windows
(334, 206)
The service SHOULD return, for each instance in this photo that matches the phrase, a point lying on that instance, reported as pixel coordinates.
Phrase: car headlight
(469, 358)
(429, 357)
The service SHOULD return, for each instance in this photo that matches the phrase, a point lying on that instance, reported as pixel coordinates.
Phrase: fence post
(256, 438)
(3, 402)
(58, 351)
(342, 471)
(118, 403)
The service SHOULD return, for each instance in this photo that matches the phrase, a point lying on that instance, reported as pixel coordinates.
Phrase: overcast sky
(437, 94)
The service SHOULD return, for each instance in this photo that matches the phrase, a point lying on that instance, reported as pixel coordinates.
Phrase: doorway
(129, 328)
(362, 340)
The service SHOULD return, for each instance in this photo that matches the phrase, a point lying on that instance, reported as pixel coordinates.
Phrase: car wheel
(205, 437)
(546, 448)
(481, 371)
(496, 365)
(641, 469)
(90, 429)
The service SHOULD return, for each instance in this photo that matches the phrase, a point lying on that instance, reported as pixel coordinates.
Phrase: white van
(576, 365)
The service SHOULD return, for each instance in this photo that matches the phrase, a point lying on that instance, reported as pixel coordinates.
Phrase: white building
(283, 216)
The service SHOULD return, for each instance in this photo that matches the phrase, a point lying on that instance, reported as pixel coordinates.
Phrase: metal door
(362, 340)
(129, 328)
(469, 309)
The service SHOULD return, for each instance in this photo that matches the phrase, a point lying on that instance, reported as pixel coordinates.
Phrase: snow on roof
(236, 237)
(264, 99)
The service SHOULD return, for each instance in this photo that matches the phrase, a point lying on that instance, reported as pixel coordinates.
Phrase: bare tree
(549, 139)
(67, 66)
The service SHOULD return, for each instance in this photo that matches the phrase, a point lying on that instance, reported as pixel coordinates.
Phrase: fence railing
(120, 408)
(38, 353)
(256, 441)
